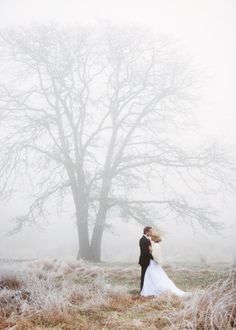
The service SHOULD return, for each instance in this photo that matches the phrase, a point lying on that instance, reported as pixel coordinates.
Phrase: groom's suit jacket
(145, 255)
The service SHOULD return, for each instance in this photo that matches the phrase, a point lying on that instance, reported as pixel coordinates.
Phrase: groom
(145, 255)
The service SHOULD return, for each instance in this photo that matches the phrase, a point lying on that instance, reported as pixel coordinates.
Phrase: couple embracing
(154, 280)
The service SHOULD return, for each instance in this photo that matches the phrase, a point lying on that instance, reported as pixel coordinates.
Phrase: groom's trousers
(143, 271)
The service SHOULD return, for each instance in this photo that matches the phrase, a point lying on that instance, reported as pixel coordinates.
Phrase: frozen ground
(68, 294)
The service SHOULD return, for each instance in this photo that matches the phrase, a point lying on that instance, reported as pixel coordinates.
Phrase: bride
(156, 281)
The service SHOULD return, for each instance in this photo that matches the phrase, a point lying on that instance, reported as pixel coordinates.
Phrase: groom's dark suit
(145, 256)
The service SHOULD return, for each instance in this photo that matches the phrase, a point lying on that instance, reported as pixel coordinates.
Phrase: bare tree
(98, 113)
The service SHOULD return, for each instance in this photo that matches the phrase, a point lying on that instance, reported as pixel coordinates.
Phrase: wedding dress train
(156, 281)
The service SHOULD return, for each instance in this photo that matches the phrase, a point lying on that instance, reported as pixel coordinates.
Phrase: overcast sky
(208, 29)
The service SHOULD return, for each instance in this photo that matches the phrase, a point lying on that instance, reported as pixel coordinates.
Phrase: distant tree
(97, 113)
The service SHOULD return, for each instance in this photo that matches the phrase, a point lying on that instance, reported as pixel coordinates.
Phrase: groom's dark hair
(146, 229)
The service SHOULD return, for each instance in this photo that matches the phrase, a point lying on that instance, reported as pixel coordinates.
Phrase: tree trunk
(96, 241)
(96, 244)
(82, 228)
(84, 246)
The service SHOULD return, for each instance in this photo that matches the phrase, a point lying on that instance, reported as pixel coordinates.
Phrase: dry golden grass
(211, 308)
(10, 282)
(53, 294)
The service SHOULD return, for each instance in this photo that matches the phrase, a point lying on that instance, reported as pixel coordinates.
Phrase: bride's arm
(150, 248)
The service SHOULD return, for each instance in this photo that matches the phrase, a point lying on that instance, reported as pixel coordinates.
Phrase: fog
(207, 30)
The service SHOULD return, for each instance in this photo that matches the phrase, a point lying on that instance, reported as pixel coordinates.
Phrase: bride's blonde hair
(155, 236)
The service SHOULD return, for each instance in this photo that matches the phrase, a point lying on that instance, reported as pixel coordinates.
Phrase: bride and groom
(154, 280)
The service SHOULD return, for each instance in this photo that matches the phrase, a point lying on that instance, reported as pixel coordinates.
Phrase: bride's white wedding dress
(156, 281)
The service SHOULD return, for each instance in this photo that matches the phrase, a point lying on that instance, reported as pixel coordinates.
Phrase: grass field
(54, 294)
